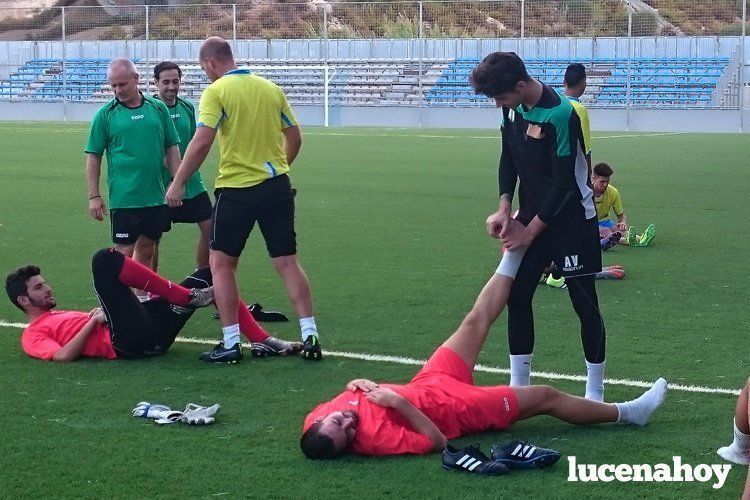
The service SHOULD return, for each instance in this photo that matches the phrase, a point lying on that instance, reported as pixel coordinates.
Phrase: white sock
(307, 327)
(638, 411)
(231, 335)
(595, 381)
(520, 369)
(741, 440)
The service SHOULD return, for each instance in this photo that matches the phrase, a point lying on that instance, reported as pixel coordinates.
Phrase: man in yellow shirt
(259, 139)
(574, 85)
(607, 199)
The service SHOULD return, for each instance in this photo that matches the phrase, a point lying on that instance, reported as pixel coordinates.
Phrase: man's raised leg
(468, 339)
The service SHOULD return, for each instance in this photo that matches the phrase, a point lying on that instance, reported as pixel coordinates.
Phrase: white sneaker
(732, 454)
(199, 415)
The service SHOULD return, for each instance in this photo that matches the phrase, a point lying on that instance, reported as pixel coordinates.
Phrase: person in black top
(543, 152)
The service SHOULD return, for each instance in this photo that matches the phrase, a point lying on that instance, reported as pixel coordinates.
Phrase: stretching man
(122, 327)
(542, 153)
(441, 402)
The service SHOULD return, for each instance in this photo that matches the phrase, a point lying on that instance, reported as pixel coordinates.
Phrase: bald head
(216, 48)
(123, 78)
(121, 65)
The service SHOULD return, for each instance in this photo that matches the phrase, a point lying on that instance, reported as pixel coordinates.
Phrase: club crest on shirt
(353, 403)
(534, 131)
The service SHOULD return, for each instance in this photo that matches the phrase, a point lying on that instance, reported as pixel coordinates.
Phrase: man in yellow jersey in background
(259, 139)
(574, 83)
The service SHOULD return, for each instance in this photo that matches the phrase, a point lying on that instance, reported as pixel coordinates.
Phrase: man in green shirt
(137, 135)
(196, 207)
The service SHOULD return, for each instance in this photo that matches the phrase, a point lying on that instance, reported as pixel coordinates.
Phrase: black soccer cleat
(471, 459)
(523, 455)
(274, 347)
(220, 354)
(311, 350)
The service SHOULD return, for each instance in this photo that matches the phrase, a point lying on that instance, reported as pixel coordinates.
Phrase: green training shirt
(183, 117)
(134, 140)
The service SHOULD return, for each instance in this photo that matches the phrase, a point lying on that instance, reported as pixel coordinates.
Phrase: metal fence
(326, 32)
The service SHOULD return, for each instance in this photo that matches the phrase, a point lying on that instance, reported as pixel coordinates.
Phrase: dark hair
(575, 74)
(165, 66)
(317, 446)
(603, 170)
(15, 283)
(498, 73)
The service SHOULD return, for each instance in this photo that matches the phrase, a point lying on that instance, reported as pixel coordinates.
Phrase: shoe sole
(220, 362)
(459, 469)
(536, 463)
(312, 356)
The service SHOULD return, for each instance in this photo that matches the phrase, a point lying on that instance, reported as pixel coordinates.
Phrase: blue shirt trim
(271, 169)
(238, 71)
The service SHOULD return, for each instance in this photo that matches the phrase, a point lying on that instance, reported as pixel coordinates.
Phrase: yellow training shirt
(583, 115)
(249, 114)
(609, 200)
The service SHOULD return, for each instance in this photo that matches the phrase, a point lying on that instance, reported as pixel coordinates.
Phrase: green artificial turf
(390, 227)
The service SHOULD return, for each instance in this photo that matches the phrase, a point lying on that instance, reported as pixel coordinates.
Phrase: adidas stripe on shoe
(471, 459)
(523, 455)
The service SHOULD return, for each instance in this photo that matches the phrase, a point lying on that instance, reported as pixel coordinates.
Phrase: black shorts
(128, 224)
(270, 204)
(193, 210)
(572, 243)
(139, 329)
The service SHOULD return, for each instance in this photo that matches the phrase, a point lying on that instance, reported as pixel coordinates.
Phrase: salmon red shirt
(52, 330)
(444, 391)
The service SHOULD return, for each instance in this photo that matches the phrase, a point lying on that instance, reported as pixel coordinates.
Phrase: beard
(45, 304)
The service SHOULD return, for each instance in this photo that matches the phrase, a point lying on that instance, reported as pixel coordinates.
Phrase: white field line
(401, 360)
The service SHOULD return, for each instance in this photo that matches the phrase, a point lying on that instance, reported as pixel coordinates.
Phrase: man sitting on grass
(122, 327)
(607, 199)
(441, 402)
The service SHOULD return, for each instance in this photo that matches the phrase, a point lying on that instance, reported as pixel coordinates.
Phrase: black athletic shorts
(270, 204)
(130, 223)
(572, 243)
(193, 210)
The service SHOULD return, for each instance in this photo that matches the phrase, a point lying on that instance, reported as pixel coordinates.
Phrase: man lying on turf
(441, 402)
(122, 327)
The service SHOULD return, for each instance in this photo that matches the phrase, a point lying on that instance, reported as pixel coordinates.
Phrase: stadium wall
(15, 53)
(635, 120)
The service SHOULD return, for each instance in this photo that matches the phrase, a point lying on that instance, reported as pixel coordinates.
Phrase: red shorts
(484, 407)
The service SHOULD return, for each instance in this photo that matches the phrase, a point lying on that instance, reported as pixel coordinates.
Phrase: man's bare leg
(201, 251)
(738, 451)
(298, 288)
(143, 251)
(127, 250)
(544, 400)
(226, 293)
(468, 339)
